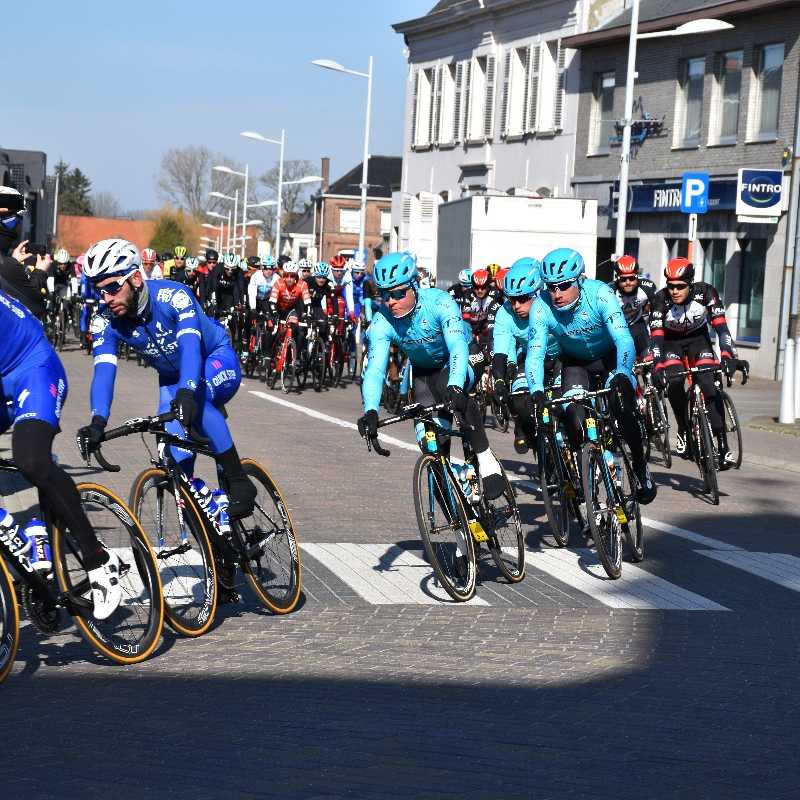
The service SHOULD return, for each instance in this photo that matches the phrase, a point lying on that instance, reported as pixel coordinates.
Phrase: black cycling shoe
(521, 445)
(682, 446)
(242, 495)
(647, 490)
(493, 486)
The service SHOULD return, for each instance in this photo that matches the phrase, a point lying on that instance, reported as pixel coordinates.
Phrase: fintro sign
(758, 192)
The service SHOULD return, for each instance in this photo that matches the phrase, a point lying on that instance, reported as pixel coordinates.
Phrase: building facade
(26, 171)
(712, 103)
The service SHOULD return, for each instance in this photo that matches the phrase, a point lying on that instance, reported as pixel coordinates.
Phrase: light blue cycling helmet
(268, 263)
(465, 277)
(395, 269)
(321, 270)
(524, 277)
(562, 264)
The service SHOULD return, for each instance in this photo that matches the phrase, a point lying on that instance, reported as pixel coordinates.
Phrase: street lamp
(245, 175)
(337, 67)
(258, 137)
(218, 229)
(695, 26)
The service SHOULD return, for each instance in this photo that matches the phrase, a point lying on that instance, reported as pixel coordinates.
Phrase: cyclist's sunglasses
(394, 294)
(521, 298)
(562, 286)
(116, 287)
(677, 287)
(626, 278)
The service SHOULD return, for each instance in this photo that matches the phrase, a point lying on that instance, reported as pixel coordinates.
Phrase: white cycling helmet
(231, 260)
(290, 268)
(191, 264)
(111, 257)
(61, 256)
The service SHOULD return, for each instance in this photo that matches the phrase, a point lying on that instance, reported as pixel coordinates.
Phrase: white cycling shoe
(106, 589)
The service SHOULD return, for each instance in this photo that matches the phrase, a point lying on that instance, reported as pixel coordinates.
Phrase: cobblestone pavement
(676, 681)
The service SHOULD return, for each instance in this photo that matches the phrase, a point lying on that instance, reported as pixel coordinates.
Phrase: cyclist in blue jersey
(426, 324)
(587, 321)
(343, 283)
(89, 297)
(34, 390)
(521, 285)
(197, 368)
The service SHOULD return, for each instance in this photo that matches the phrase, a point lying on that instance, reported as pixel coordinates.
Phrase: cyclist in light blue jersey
(586, 319)
(426, 324)
(197, 368)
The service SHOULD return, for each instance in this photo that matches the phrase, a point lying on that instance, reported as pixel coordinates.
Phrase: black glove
(185, 407)
(455, 399)
(660, 379)
(501, 390)
(538, 404)
(368, 424)
(729, 366)
(90, 437)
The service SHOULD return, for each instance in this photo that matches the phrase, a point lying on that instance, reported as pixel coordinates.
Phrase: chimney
(326, 173)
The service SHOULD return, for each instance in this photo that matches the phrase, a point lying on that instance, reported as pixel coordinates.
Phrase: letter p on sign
(694, 193)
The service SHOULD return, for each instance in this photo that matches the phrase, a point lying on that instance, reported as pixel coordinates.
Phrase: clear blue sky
(110, 86)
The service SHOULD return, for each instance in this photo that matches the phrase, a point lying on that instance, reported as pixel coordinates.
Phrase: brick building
(76, 234)
(723, 101)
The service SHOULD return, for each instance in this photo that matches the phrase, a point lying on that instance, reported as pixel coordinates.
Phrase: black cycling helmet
(254, 261)
(212, 255)
(284, 259)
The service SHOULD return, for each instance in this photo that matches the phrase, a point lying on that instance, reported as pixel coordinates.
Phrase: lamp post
(695, 26)
(337, 67)
(217, 228)
(282, 142)
(245, 175)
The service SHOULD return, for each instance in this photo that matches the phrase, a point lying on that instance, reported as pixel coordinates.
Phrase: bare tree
(295, 196)
(105, 204)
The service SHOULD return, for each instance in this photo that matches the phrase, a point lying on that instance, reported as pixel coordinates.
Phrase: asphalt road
(675, 681)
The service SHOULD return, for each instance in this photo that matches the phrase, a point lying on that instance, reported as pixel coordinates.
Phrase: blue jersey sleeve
(502, 335)
(104, 349)
(380, 340)
(455, 338)
(617, 327)
(187, 334)
(538, 338)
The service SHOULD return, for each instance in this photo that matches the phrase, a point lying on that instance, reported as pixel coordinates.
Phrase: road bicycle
(283, 363)
(313, 361)
(132, 632)
(653, 406)
(56, 321)
(337, 352)
(197, 549)
(453, 514)
(255, 360)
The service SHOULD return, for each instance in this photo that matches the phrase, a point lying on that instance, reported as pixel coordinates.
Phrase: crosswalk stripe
(637, 588)
(780, 568)
(382, 574)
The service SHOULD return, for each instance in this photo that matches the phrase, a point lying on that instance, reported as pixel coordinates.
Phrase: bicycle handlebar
(413, 411)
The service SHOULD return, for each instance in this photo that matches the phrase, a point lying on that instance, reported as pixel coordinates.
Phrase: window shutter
(434, 73)
(532, 94)
(438, 80)
(488, 108)
(504, 106)
(457, 101)
(467, 98)
(414, 101)
(558, 105)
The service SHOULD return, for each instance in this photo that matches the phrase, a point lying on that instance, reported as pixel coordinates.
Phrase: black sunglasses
(625, 278)
(394, 294)
(677, 287)
(521, 298)
(560, 287)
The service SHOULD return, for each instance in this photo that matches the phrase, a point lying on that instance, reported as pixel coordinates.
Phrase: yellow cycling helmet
(492, 270)
(180, 251)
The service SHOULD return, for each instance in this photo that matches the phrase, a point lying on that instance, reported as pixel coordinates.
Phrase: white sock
(488, 463)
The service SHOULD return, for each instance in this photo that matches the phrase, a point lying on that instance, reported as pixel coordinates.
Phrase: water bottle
(204, 497)
(611, 463)
(222, 502)
(40, 555)
(469, 482)
(425, 439)
(13, 535)
(463, 479)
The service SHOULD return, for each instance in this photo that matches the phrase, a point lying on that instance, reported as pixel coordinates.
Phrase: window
(349, 220)
(689, 103)
(423, 108)
(714, 264)
(767, 85)
(751, 289)
(728, 88)
(445, 127)
(386, 221)
(478, 99)
(602, 114)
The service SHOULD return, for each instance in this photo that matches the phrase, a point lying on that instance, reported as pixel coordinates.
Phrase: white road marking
(697, 538)
(637, 588)
(780, 568)
(382, 574)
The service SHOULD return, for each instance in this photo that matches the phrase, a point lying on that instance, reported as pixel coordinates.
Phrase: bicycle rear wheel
(318, 365)
(9, 622)
(289, 374)
(506, 542)
(659, 424)
(272, 562)
(444, 527)
(132, 632)
(186, 567)
(553, 486)
(733, 430)
(704, 454)
(600, 509)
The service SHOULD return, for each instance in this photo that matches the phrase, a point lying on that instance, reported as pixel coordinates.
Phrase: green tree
(172, 228)
(74, 191)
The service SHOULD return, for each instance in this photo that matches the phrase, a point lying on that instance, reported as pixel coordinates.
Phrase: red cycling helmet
(626, 266)
(149, 256)
(338, 262)
(499, 277)
(679, 269)
(480, 278)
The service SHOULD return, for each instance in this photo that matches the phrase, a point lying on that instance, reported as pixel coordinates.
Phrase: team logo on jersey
(164, 295)
(23, 396)
(180, 300)
(99, 324)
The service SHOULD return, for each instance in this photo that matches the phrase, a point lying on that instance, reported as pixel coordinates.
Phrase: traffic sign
(694, 192)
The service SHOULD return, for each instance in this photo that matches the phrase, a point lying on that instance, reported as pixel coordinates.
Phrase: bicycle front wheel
(444, 528)
(272, 560)
(9, 623)
(601, 509)
(289, 374)
(185, 558)
(132, 632)
(733, 430)
(705, 456)
(506, 542)
(553, 486)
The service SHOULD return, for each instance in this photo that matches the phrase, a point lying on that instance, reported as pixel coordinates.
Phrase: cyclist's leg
(426, 394)
(522, 407)
(676, 393)
(574, 378)
(641, 338)
(701, 354)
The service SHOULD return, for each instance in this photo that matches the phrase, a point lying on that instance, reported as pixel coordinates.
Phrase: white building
(490, 106)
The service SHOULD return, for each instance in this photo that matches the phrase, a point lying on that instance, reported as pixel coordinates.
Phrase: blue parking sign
(694, 193)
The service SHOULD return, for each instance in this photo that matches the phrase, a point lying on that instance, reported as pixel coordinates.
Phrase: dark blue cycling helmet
(524, 277)
(562, 264)
(395, 269)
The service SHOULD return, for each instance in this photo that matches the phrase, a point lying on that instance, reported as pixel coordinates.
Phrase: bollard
(797, 378)
(786, 413)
